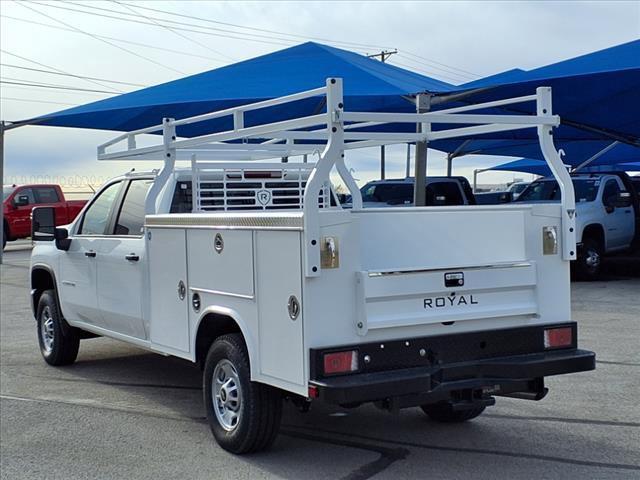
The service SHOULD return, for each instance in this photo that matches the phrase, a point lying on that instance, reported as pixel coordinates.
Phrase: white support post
(2, 128)
(568, 201)
(168, 138)
(333, 151)
(195, 185)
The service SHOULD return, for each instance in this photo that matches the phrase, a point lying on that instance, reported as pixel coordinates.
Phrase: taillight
(558, 337)
(340, 362)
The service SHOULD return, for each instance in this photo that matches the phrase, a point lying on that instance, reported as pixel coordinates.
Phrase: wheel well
(212, 326)
(595, 232)
(41, 280)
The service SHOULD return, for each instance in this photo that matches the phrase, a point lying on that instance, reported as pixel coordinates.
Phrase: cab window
(610, 192)
(131, 217)
(96, 218)
(25, 192)
(46, 195)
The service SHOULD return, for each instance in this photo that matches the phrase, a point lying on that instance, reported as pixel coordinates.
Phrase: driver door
(78, 266)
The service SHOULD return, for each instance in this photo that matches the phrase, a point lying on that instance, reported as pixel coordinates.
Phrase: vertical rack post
(423, 104)
(168, 137)
(545, 136)
(333, 152)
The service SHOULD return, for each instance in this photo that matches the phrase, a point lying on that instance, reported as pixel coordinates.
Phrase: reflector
(558, 337)
(340, 362)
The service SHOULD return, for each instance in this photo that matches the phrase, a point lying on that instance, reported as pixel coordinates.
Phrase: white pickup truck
(605, 215)
(254, 272)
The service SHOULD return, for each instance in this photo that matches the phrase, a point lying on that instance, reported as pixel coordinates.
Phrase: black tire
(258, 406)
(4, 237)
(58, 344)
(443, 412)
(589, 261)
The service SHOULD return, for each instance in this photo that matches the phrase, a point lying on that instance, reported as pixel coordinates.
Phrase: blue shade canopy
(368, 85)
(539, 167)
(596, 95)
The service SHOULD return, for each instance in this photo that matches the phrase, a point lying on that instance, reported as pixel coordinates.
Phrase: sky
(124, 41)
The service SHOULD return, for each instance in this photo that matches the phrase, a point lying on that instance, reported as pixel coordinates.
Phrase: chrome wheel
(592, 258)
(46, 330)
(226, 395)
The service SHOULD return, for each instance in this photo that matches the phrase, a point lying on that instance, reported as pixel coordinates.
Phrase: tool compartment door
(168, 323)
(278, 278)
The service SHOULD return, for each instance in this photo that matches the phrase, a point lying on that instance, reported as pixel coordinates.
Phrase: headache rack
(327, 135)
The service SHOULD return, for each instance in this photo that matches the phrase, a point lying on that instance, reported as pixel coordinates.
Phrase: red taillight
(313, 392)
(340, 362)
(558, 337)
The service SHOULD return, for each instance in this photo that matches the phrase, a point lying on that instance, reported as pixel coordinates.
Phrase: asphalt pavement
(122, 413)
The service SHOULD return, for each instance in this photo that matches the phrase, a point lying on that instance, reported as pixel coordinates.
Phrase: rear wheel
(58, 345)
(589, 262)
(444, 412)
(244, 416)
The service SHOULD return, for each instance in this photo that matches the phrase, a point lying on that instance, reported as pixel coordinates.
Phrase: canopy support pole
(407, 172)
(423, 105)
(596, 156)
(475, 177)
(458, 152)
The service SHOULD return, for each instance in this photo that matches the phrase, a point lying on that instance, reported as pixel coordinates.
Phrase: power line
(64, 29)
(33, 89)
(175, 32)
(58, 87)
(37, 101)
(6, 52)
(100, 39)
(51, 72)
(258, 40)
(207, 20)
(459, 77)
(440, 63)
(303, 37)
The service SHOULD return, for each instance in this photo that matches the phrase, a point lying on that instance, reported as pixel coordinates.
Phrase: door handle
(132, 257)
(90, 253)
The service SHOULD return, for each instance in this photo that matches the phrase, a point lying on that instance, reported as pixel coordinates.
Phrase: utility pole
(383, 55)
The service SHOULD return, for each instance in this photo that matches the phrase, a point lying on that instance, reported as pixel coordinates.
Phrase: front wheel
(589, 262)
(444, 412)
(59, 346)
(244, 416)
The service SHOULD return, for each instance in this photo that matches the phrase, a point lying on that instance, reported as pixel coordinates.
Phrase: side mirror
(63, 242)
(506, 197)
(21, 201)
(43, 224)
(622, 200)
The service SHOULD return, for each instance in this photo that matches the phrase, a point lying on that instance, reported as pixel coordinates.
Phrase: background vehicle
(279, 293)
(516, 188)
(19, 200)
(399, 192)
(606, 215)
(502, 196)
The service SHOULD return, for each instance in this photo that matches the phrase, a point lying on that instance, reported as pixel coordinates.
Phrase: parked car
(399, 192)
(516, 188)
(606, 215)
(19, 200)
(501, 196)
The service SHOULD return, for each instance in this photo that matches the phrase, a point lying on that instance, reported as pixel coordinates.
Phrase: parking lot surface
(120, 412)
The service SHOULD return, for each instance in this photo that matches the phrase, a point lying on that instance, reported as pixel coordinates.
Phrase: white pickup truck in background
(606, 212)
(255, 272)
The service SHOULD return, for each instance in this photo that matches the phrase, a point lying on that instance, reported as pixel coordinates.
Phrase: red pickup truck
(19, 200)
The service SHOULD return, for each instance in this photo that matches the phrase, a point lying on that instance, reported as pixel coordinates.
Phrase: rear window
(444, 193)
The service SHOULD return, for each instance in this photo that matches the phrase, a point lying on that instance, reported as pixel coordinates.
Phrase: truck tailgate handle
(132, 257)
(90, 253)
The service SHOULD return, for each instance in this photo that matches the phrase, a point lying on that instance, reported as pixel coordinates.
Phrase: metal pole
(384, 54)
(2, 180)
(449, 162)
(596, 156)
(423, 103)
(407, 172)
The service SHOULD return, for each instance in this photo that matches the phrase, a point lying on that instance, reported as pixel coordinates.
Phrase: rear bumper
(466, 366)
(419, 385)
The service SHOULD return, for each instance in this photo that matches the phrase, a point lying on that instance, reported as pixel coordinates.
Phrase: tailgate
(405, 298)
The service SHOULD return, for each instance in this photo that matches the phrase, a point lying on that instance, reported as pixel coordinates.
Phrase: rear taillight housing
(340, 362)
(558, 337)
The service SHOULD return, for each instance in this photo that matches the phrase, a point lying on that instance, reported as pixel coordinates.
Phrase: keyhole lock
(218, 243)
(182, 290)
(293, 306)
